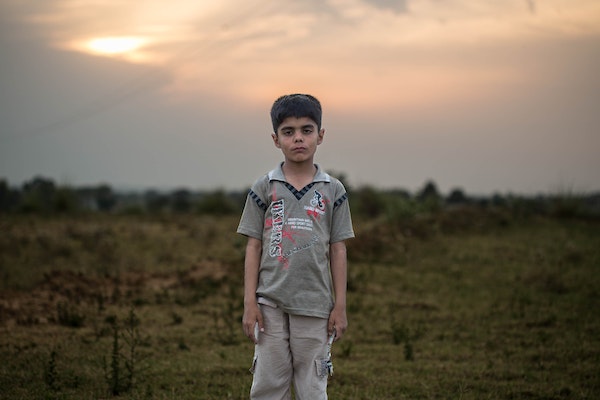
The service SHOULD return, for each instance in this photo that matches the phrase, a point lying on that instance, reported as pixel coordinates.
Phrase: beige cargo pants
(292, 349)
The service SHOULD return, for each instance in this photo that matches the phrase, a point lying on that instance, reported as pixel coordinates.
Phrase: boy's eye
(290, 132)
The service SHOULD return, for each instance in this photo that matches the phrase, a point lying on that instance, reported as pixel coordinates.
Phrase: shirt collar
(278, 175)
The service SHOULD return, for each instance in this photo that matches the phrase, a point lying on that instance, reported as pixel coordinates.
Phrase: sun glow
(115, 45)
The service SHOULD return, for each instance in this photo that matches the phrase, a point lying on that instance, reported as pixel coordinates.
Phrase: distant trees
(156, 201)
(9, 198)
(369, 202)
(104, 197)
(401, 204)
(38, 195)
(429, 192)
(457, 196)
(181, 201)
(41, 195)
(217, 203)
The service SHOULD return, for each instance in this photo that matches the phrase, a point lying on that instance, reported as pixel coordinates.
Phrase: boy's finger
(248, 333)
(331, 329)
(261, 326)
(254, 333)
(338, 334)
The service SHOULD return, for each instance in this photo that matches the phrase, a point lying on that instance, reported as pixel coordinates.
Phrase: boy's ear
(276, 140)
(321, 135)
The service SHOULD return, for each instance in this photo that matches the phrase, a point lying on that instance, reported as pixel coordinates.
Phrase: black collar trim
(299, 193)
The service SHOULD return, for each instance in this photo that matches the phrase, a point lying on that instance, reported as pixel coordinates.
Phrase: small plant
(69, 316)
(113, 373)
(401, 334)
(408, 351)
(133, 339)
(50, 373)
(177, 319)
(100, 300)
(122, 372)
(182, 345)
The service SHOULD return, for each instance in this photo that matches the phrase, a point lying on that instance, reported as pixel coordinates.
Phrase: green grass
(498, 309)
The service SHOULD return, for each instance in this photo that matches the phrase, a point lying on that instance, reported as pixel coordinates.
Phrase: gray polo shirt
(296, 229)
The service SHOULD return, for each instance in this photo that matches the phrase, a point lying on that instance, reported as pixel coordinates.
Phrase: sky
(481, 95)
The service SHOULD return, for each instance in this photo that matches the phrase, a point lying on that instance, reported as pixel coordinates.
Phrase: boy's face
(298, 139)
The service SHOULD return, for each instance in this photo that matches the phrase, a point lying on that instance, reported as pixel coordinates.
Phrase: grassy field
(457, 306)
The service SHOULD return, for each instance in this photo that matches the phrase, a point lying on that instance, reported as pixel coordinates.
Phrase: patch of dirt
(66, 288)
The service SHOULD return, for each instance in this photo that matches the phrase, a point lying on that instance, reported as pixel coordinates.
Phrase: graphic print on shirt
(277, 223)
(293, 234)
(317, 205)
(277, 220)
(317, 200)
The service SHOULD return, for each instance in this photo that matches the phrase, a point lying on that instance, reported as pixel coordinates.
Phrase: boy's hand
(337, 322)
(252, 316)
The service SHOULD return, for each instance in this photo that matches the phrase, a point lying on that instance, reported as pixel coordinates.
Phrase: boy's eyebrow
(286, 127)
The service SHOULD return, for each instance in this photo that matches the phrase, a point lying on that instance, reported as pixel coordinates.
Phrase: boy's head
(298, 106)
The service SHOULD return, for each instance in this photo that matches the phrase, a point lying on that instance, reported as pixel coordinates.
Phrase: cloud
(355, 48)
(461, 82)
(399, 6)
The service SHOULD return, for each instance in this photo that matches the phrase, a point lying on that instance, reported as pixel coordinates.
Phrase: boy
(296, 219)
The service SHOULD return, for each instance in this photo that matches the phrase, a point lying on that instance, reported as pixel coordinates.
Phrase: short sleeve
(253, 217)
(341, 225)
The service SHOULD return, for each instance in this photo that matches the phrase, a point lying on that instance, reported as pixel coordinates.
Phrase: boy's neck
(306, 168)
(299, 174)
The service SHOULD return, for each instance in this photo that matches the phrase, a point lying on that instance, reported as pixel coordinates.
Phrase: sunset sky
(484, 95)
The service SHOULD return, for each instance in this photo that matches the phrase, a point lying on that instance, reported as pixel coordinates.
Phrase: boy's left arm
(338, 262)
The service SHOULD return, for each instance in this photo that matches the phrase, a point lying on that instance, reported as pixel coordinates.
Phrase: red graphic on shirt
(284, 262)
(317, 205)
(312, 213)
(287, 234)
(279, 232)
(295, 233)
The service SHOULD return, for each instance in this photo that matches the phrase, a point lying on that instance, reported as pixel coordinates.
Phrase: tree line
(42, 195)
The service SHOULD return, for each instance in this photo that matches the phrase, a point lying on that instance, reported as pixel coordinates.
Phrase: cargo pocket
(253, 367)
(324, 367)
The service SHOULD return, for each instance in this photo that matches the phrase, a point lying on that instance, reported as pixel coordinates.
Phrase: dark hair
(295, 105)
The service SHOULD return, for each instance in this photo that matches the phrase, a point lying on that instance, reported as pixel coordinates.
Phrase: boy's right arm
(252, 314)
